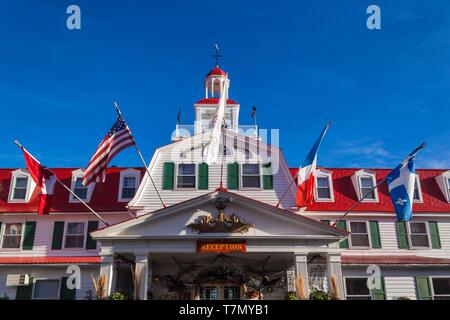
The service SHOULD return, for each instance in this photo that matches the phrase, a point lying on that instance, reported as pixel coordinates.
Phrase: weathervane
(217, 55)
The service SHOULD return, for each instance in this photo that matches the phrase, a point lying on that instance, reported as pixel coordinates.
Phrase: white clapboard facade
(227, 230)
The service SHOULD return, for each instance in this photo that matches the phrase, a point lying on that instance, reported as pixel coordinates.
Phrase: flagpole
(409, 157)
(142, 159)
(70, 190)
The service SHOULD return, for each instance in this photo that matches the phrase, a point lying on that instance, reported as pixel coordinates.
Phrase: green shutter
(325, 221)
(401, 235)
(375, 234)
(267, 176)
(91, 243)
(203, 176)
(434, 234)
(25, 292)
(65, 293)
(58, 233)
(28, 237)
(379, 294)
(168, 176)
(233, 176)
(341, 224)
(423, 288)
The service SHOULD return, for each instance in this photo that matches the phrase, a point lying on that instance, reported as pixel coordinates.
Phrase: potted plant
(317, 294)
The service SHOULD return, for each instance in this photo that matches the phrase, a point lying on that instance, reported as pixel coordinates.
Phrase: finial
(217, 55)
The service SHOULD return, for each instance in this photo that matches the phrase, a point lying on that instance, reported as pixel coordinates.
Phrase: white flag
(212, 149)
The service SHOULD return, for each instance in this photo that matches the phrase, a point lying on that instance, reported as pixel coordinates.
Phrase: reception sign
(221, 246)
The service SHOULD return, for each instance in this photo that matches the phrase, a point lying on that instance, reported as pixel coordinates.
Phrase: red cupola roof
(216, 71)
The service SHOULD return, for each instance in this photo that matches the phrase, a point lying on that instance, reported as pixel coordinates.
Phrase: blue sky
(301, 63)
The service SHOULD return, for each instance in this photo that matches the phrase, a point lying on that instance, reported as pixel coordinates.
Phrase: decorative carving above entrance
(221, 223)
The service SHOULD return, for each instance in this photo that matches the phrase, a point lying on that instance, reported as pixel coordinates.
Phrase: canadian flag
(306, 178)
(44, 178)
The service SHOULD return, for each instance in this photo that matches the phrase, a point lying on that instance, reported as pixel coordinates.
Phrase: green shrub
(119, 296)
(319, 295)
(291, 295)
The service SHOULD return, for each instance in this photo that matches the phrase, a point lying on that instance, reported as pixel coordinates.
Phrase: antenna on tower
(217, 55)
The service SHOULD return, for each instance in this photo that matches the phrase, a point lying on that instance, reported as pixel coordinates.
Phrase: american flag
(118, 138)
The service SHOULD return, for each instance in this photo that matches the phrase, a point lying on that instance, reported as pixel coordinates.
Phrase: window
(366, 186)
(46, 289)
(356, 289)
(79, 189)
(441, 288)
(75, 235)
(129, 187)
(448, 188)
(20, 188)
(231, 293)
(359, 236)
(323, 188)
(417, 194)
(418, 235)
(186, 176)
(250, 176)
(208, 293)
(12, 235)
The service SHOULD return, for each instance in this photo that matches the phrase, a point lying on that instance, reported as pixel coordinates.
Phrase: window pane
(74, 241)
(186, 169)
(11, 241)
(441, 285)
(21, 182)
(322, 182)
(419, 241)
(357, 286)
(416, 194)
(368, 193)
(251, 182)
(208, 293)
(75, 228)
(231, 293)
(128, 193)
(418, 227)
(13, 229)
(366, 182)
(250, 169)
(19, 194)
(46, 289)
(323, 193)
(79, 183)
(360, 240)
(129, 182)
(186, 182)
(81, 192)
(358, 227)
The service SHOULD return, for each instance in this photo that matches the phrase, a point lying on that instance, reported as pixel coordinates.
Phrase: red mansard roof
(214, 101)
(104, 196)
(345, 194)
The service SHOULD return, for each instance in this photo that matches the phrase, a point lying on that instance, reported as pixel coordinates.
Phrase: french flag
(44, 178)
(305, 175)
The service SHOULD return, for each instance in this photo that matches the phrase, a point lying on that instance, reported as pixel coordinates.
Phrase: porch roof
(49, 260)
(393, 260)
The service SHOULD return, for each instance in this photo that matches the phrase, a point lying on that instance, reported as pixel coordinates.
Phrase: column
(106, 269)
(141, 272)
(335, 275)
(301, 275)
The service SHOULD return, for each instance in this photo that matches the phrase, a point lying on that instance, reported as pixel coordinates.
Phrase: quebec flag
(401, 182)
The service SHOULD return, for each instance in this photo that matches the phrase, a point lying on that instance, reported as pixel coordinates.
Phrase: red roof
(345, 194)
(48, 260)
(216, 71)
(214, 101)
(104, 196)
(364, 260)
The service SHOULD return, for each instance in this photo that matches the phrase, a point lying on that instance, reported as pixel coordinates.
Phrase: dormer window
(443, 181)
(364, 182)
(21, 186)
(417, 190)
(83, 192)
(448, 188)
(129, 183)
(324, 186)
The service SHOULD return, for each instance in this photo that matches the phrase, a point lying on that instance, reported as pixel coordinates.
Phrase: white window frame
(444, 184)
(46, 279)
(419, 189)
(20, 173)
(324, 174)
(2, 233)
(355, 277)
(66, 227)
(79, 173)
(176, 176)
(351, 246)
(447, 183)
(356, 179)
(127, 174)
(408, 228)
(430, 281)
(241, 180)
